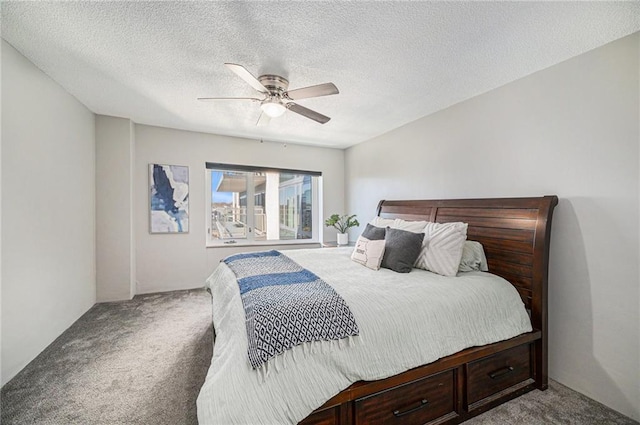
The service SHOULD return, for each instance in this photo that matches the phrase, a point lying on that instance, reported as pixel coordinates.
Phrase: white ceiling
(393, 62)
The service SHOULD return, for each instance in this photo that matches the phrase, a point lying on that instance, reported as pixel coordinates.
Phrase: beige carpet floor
(143, 362)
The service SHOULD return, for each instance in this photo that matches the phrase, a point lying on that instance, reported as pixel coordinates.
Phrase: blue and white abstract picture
(169, 186)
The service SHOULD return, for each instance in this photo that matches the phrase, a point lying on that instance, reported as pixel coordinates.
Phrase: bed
(416, 382)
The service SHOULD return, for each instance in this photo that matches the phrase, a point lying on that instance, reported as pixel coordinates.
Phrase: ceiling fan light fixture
(273, 108)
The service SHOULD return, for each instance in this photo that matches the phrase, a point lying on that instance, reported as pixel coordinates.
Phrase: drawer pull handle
(398, 413)
(500, 372)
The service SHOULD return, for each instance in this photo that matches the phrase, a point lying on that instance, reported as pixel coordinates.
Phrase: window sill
(265, 243)
(334, 244)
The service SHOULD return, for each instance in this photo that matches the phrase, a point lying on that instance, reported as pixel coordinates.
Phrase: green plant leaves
(342, 223)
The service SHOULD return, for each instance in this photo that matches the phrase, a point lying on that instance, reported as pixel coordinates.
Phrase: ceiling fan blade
(313, 91)
(263, 120)
(211, 99)
(242, 72)
(306, 112)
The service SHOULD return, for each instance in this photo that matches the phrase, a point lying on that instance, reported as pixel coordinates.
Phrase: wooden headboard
(515, 233)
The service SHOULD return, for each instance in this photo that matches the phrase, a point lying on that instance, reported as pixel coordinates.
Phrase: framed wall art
(169, 198)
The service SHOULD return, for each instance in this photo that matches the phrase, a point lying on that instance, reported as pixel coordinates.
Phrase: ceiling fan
(277, 99)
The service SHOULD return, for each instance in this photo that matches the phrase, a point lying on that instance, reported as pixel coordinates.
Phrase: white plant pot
(343, 238)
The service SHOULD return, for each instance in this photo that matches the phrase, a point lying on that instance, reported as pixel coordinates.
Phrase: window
(254, 205)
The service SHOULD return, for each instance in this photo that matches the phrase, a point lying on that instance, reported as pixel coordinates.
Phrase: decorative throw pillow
(381, 222)
(473, 257)
(401, 249)
(398, 223)
(368, 252)
(409, 226)
(442, 248)
(374, 233)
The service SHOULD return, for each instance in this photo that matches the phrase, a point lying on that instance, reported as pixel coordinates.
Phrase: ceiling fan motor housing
(273, 105)
(274, 83)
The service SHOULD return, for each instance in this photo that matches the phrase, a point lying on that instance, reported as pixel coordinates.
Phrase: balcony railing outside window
(262, 206)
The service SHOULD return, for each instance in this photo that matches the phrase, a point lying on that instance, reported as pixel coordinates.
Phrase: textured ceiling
(393, 62)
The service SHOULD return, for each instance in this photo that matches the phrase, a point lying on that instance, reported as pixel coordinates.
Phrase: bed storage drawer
(491, 375)
(417, 402)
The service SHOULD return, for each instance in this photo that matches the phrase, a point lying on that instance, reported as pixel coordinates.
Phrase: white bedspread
(405, 320)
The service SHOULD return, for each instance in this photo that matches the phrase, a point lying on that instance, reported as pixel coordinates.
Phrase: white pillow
(398, 223)
(473, 257)
(381, 222)
(409, 226)
(442, 248)
(368, 253)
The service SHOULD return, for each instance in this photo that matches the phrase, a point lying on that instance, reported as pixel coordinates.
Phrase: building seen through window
(262, 206)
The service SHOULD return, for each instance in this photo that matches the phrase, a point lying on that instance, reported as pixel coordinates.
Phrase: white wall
(1, 80)
(570, 130)
(179, 261)
(115, 244)
(48, 210)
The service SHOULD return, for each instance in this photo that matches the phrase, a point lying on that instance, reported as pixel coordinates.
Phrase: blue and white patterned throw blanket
(286, 305)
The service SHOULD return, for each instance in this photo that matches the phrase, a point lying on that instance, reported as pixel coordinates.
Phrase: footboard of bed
(448, 391)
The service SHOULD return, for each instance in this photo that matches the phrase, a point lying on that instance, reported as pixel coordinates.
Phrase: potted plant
(342, 223)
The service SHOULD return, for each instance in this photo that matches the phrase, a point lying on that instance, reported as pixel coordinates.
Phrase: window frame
(316, 212)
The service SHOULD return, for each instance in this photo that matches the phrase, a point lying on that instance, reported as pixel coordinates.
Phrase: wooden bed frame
(515, 233)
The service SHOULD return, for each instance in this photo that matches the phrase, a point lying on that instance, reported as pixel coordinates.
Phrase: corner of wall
(132, 230)
(115, 232)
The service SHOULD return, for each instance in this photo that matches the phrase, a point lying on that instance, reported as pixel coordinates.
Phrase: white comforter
(405, 320)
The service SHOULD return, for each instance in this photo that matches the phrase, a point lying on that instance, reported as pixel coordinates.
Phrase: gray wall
(115, 243)
(48, 211)
(179, 261)
(570, 130)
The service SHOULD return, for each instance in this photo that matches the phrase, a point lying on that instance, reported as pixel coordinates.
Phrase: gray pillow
(374, 233)
(401, 249)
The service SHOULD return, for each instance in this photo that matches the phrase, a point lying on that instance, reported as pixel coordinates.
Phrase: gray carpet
(137, 362)
(143, 362)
